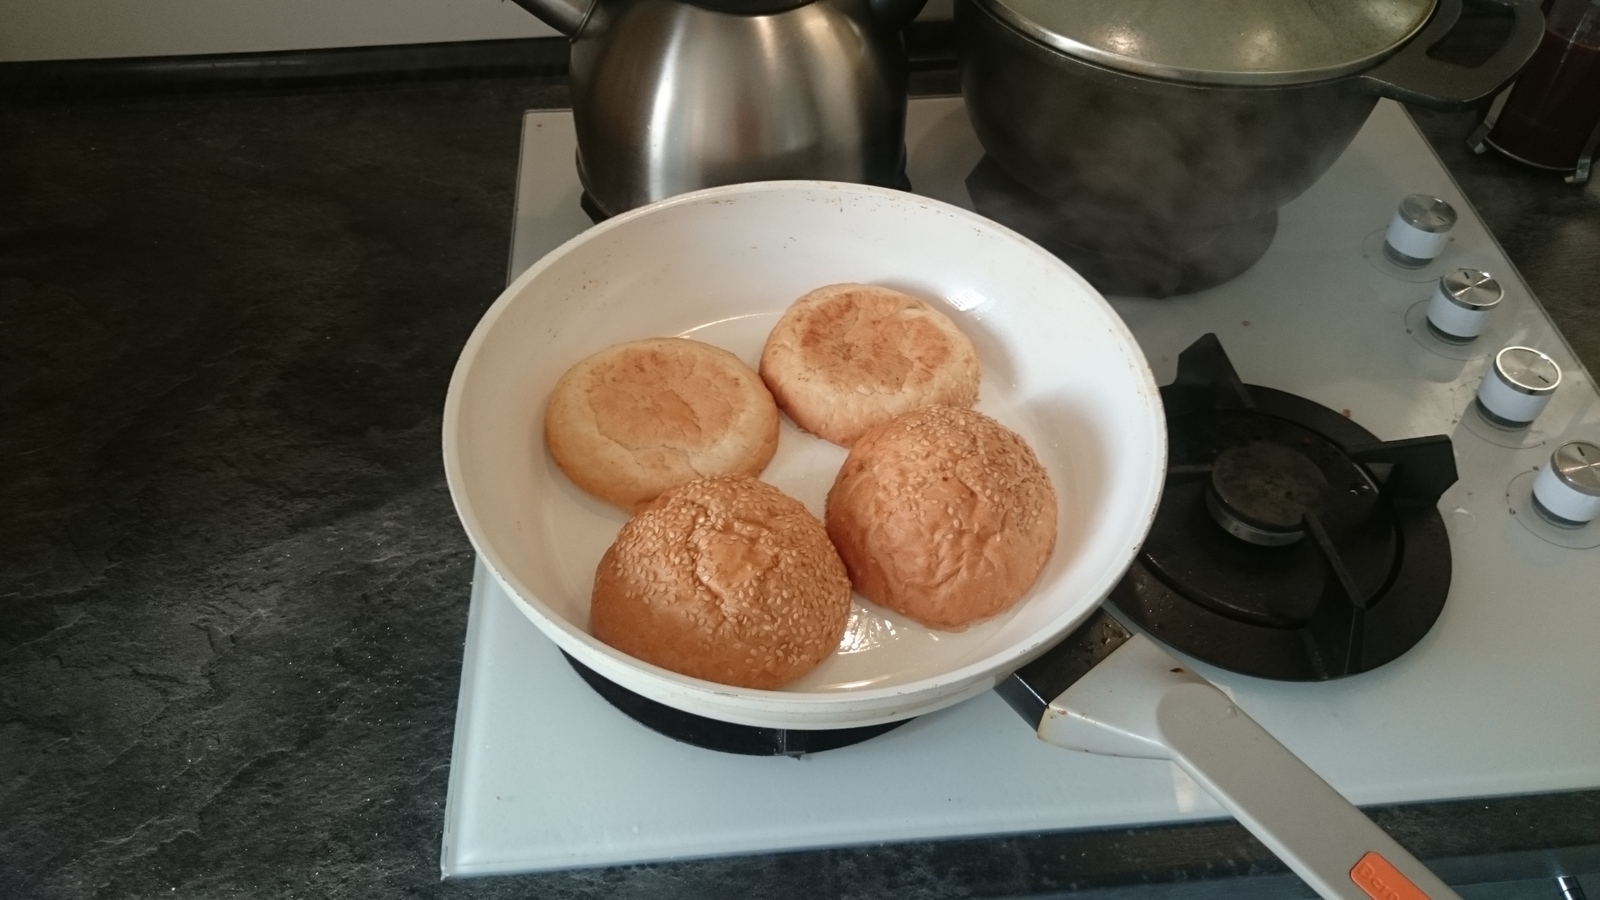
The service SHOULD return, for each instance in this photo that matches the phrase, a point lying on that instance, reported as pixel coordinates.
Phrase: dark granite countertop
(233, 591)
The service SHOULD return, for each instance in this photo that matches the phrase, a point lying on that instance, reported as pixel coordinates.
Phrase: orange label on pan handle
(1380, 880)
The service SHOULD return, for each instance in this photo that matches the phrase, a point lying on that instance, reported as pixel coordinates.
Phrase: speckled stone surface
(232, 589)
(232, 593)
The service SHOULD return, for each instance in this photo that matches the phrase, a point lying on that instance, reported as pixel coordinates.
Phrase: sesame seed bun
(847, 357)
(726, 579)
(943, 515)
(638, 418)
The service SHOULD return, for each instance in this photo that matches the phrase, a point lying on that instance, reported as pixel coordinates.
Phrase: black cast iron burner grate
(1290, 542)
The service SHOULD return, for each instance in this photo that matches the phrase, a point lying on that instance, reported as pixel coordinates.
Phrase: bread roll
(943, 515)
(726, 579)
(847, 357)
(638, 418)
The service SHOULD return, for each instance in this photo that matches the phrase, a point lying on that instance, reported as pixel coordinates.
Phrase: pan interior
(721, 266)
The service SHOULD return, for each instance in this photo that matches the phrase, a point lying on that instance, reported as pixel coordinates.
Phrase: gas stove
(1490, 699)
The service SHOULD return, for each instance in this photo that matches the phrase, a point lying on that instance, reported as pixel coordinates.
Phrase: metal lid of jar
(1255, 42)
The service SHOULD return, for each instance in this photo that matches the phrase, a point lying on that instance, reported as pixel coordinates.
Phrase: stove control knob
(1517, 387)
(1461, 305)
(1418, 232)
(1567, 492)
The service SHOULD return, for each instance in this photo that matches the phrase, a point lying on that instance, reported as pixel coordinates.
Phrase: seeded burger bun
(638, 418)
(943, 515)
(726, 579)
(847, 357)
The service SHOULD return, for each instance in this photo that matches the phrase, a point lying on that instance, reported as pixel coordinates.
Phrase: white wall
(93, 29)
(84, 29)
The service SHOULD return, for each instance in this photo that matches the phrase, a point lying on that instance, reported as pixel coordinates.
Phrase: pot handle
(1411, 76)
(1142, 702)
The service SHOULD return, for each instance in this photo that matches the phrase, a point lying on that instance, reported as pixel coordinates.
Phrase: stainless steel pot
(1167, 123)
(671, 96)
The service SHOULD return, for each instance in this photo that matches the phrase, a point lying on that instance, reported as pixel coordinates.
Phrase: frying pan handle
(1142, 702)
(1412, 76)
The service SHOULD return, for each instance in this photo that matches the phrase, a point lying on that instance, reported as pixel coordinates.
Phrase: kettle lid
(1258, 42)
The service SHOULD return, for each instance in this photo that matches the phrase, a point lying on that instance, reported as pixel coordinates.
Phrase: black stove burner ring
(714, 734)
(1364, 583)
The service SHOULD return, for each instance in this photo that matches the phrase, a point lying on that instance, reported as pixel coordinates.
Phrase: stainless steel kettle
(671, 96)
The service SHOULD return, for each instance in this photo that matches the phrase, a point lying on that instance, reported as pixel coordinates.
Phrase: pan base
(726, 737)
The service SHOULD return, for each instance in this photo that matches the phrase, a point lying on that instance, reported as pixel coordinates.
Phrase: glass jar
(1550, 117)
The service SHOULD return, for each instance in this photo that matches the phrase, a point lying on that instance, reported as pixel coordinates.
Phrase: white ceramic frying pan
(1059, 367)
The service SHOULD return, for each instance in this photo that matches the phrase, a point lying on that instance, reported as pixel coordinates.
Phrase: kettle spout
(563, 15)
(895, 14)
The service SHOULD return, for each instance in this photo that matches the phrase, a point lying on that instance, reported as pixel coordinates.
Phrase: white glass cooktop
(1497, 699)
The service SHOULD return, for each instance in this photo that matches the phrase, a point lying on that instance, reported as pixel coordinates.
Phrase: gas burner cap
(1260, 492)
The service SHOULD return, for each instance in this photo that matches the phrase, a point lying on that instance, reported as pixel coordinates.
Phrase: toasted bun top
(943, 515)
(726, 579)
(638, 418)
(847, 357)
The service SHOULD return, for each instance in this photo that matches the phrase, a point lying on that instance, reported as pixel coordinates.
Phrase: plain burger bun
(638, 418)
(847, 357)
(943, 515)
(726, 579)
